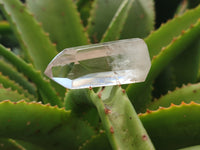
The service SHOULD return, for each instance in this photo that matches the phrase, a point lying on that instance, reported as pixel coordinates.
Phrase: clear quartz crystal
(112, 63)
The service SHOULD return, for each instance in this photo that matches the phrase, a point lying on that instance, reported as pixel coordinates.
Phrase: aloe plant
(160, 113)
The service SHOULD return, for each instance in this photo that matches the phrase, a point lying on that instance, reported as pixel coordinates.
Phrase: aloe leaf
(79, 103)
(10, 94)
(43, 85)
(167, 32)
(122, 125)
(190, 59)
(164, 82)
(84, 7)
(97, 142)
(163, 57)
(197, 147)
(28, 145)
(176, 74)
(174, 127)
(140, 20)
(8, 70)
(137, 97)
(116, 25)
(101, 15)
(7, 83)
(30, 34)
(61, 20)
(54, 129)
(188, 93)
(9, 144)
(174, 49)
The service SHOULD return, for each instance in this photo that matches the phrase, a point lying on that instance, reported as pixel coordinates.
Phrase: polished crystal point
(112, 63)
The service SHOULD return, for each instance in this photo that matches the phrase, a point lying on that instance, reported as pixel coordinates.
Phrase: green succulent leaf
(97, 142)
(174, 127)
(55, 129)
(7, 83)
(197, 147)
(84, 7)
(167, 32)
(28, 70)
(9, 144)
(186, 94)
(8, 70)
(174, 49)
(12, 95)
(28, 145)
(117, 23)
(30, 34)
(140, 20)
(190, 59)
(164, 82)
(101, 15)
(176, 75)
(120, 120)
(78, 101)
(61, 20)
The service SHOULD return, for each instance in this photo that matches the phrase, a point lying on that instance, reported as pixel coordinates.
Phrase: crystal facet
(111, 63)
